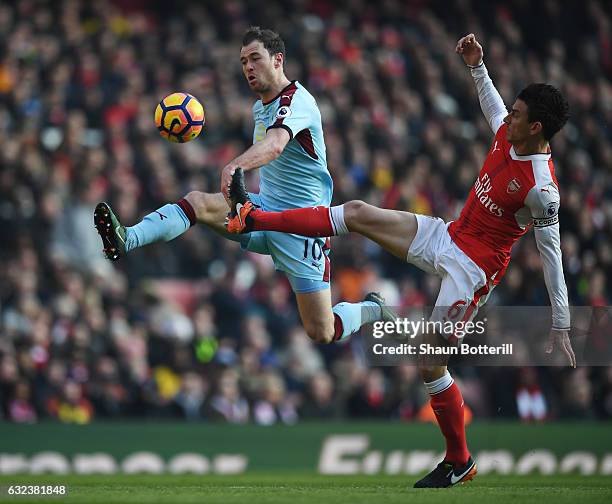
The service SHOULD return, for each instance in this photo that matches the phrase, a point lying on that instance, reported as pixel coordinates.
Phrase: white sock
(336, 214)
(439, 385)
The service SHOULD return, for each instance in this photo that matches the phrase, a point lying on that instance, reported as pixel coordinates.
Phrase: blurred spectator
(189, 401)
(603, 395)
(227, 404)
(577, 396)
(9, 376)
(530, 400)
(71, 406)
(373, 399)
(273, 405)
(109, 396)
(320, 402)
(49, 384)
(408, 393)
(300, 359)
(20, 407)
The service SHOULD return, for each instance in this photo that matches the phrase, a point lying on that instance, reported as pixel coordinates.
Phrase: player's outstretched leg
(164, 224)
(393, 230)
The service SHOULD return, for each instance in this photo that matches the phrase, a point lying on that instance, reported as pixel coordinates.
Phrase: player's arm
(491, 102)
(259, 154)
(544, 205)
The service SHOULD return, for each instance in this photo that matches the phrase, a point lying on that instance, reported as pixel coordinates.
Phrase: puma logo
(161, 215)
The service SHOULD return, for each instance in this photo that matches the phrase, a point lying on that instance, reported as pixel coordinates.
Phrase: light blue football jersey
(299, 176)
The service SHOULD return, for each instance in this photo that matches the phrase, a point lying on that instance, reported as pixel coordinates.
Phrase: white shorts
(464, 285)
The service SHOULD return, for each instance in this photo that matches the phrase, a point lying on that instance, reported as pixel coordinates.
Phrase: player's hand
(470, 49)
(560, 338)
(226, 180)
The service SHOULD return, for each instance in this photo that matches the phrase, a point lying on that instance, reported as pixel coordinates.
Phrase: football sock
(312, 221)
(165, 223)
(349, 317)
(338, 328)
(336, 216)
(447, 405)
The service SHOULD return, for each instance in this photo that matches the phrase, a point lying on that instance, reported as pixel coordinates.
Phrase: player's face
(519, 127)
(257, 66)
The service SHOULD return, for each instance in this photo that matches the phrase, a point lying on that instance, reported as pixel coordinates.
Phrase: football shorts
(464, 286)
(304, 260)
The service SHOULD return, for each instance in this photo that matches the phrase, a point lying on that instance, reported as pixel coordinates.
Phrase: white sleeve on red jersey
(491, 102)
(544, 201)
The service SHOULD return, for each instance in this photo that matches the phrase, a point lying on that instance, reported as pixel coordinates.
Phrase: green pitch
(302, 489)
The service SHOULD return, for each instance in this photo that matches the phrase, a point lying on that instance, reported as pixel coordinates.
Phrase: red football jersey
(510, 192)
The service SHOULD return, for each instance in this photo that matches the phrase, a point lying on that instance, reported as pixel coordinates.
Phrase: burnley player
(289, 149)
(516, 189)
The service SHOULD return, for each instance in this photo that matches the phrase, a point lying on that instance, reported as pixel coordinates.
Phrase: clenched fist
(470, 49)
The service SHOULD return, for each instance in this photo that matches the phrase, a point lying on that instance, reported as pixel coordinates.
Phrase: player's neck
(530, 147)
(275, 89)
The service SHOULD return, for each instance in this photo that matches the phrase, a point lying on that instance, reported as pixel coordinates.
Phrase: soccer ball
(179, 117)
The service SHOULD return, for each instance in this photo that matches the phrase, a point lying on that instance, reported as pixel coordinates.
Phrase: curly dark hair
(545, 104)
(270, 39)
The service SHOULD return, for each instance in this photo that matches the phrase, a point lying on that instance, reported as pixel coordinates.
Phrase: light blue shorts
(304, 260)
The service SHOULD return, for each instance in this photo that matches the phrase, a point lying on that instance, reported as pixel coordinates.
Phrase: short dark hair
(545, 104)
(270, 39)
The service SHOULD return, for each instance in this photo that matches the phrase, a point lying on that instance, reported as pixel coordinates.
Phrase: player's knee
(430, 372)
(320, 333)
(355, 212)
(200, 203)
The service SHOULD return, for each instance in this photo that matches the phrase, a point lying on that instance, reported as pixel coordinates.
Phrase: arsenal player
(515, 190)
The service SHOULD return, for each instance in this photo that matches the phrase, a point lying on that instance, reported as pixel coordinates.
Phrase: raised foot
(111, 231)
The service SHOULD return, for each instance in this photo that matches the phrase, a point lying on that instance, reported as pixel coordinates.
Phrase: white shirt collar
(532, 157)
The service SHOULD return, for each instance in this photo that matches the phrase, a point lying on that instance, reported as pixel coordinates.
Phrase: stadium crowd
(197, 329)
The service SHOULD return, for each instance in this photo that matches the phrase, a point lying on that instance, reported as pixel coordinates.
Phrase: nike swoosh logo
(238, 208)
(457, 478)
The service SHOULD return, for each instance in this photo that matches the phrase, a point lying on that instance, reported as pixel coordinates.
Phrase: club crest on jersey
(513, 186)
(283, 112)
